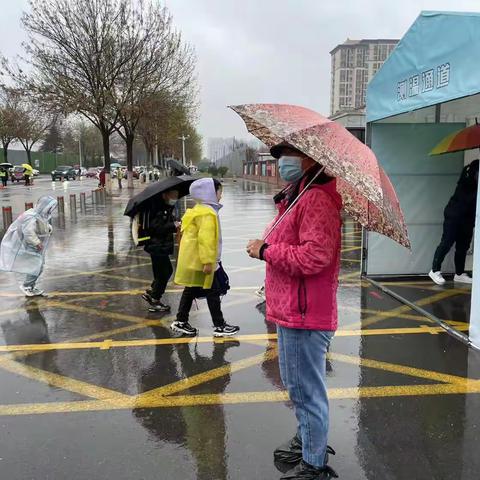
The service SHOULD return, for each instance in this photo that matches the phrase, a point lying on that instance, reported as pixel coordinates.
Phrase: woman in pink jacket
(303, 260)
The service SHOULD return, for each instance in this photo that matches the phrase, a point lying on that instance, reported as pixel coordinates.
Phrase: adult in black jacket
(161, 228)
(458, 226)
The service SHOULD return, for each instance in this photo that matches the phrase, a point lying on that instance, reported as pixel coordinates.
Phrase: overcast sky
(253, 51)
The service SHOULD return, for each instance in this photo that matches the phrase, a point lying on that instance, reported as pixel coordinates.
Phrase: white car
(36, 172)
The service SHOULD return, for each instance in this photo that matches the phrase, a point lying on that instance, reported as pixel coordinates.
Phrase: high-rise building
(354, 63)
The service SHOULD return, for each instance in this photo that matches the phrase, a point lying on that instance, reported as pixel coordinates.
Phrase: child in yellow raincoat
(199, 267)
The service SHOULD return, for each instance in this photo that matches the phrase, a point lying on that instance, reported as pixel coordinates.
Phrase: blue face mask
(172, 202)
(290, 168)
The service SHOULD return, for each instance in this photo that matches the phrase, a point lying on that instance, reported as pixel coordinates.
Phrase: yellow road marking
(93, 272)
(260, 339)
(350, 249)
(59, 381)
(402, 309)
(231, 398)
(125, 278)
(208, 376)
(405, 370)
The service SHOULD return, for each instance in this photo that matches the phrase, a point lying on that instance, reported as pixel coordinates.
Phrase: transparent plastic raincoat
(19, 250)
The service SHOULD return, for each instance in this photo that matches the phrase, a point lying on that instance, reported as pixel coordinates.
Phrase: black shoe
(225, 331)
(149, 291)
(289, 454)
(159, 307)
(305, 471)
(148, 298)
(183, 327)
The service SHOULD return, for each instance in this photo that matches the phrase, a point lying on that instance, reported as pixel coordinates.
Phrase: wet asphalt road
(97, 387)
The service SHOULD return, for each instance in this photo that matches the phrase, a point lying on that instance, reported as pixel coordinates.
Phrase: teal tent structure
(428, 88)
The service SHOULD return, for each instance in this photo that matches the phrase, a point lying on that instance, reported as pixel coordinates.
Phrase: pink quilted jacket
(303, 261)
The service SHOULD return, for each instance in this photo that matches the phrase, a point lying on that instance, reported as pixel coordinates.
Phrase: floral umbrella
(367, 193)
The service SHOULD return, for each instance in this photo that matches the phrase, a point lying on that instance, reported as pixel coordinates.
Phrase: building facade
(354, 63)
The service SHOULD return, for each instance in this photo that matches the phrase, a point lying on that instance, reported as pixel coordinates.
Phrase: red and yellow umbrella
(464, 139)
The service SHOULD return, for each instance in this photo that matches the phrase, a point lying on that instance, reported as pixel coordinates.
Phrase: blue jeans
(302, 360)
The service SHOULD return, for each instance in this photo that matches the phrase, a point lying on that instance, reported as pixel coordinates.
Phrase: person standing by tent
(458, 226)
(303, 262)
(24, 244)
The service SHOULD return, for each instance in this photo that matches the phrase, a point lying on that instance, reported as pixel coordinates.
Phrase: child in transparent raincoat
(24, 244)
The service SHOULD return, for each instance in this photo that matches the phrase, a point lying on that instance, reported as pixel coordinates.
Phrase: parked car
(92, 172)
(64, 173)
(36, 172)
(17, 174)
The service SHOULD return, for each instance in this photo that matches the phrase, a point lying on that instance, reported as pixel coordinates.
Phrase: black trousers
(454, 233)
(162, 271)
(213, 302)
(4, 181)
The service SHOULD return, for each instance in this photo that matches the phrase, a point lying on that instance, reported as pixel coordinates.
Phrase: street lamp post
(183, 138)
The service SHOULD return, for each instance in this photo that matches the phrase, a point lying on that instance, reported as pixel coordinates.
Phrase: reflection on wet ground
(95, 386)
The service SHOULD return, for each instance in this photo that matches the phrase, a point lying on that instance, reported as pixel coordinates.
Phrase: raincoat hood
(45, 207)
(203, 191)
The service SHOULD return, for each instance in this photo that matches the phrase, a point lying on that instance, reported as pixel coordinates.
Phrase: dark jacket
(161, 229)
(462, 206)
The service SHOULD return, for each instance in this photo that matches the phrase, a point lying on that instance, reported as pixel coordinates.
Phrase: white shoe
(27, 291)
(463, 278)
(437, 277)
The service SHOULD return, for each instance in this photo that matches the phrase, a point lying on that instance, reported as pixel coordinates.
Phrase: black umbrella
(174, 165)
(146, 199)
(6, 165)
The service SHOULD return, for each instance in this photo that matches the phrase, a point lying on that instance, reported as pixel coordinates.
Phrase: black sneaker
(148, 298)
(159, 307)
(183, 327)
(305, 471)
(289, 454)
(225, 331)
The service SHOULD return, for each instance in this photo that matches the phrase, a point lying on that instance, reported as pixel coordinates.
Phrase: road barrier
(7, 217)
(61, 206)
(83, 202)
(73, 204)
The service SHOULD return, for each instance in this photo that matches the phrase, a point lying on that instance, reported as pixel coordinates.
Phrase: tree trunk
(5, 151)
(106, 158)
(29, 156)
(129, 143)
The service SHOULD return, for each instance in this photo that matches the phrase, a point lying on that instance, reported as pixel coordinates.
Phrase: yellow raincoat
(198, 247)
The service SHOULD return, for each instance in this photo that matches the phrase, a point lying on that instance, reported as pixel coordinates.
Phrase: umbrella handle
(300, 195)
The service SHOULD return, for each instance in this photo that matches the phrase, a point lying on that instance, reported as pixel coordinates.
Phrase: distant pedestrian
(101, 178)
(24, 244)
(199, 266)
(458, 226)
(27, 175)
(161, 228)
(4, 177)
(302, 256)
(119, 177)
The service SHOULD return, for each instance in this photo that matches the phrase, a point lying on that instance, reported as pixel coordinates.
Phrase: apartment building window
(361, 56)
(347, 57)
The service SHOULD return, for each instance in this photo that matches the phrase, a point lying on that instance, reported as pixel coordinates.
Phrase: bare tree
(9, 103)
(162, 67)
(77, 52)
(33, 123)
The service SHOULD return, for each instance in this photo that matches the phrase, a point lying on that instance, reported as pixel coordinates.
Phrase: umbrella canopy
(367, 193)
(174, 165)
(461, 140)
(147, 199)
(6, 165)
(27, 166)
